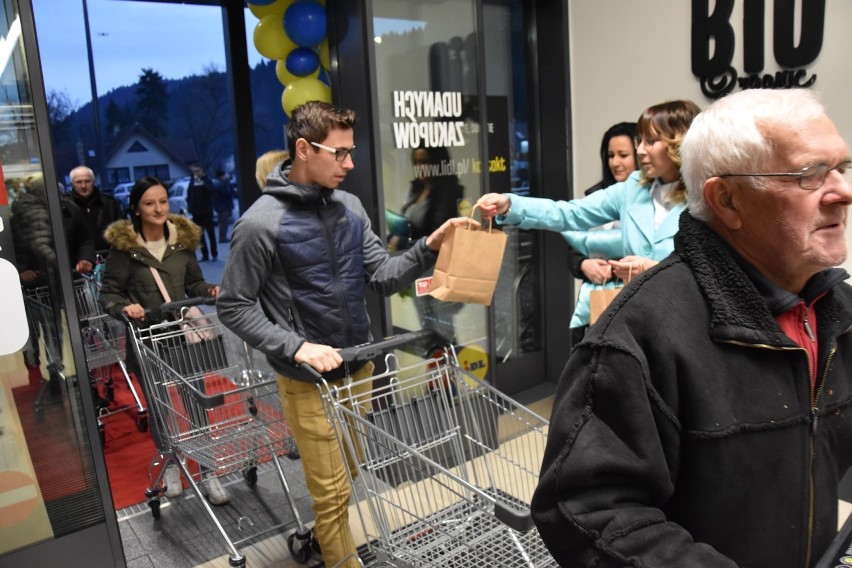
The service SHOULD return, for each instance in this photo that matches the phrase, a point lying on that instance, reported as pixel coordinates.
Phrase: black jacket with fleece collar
(686, 432)
(127, 277)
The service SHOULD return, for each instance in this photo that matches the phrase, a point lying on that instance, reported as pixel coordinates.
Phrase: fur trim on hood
(182, 231)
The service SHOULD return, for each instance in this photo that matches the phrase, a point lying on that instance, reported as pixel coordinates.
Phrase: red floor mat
(126, 450)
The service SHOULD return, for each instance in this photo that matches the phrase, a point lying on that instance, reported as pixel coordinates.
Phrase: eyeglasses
(339, 153)
(639, 140)
(810, 177)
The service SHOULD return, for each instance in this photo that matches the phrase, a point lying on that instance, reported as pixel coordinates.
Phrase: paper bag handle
(629, 275)
(470, 217)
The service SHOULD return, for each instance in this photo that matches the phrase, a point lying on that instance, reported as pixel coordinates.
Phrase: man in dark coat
(99, 210)
(200, 202)
(223, 202)
(704, 420)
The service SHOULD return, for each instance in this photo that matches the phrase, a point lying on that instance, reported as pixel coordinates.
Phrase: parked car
(122, 193)
(177, 197)
(178, 194)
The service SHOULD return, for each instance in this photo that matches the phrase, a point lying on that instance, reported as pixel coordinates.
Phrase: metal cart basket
(105, 342)
(446, 463)
(216, 409)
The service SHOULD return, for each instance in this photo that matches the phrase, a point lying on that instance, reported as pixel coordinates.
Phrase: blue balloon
(302, 61)
(305, 23)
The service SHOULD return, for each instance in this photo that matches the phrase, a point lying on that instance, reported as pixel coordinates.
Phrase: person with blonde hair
(648, 203)
(266, 164)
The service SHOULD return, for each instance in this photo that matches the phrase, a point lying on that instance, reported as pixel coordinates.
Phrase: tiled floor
(186, 537)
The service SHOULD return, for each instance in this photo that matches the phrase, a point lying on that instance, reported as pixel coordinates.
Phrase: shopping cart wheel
(155, 507)
(142, 422)
(300, 546)
(250, 475)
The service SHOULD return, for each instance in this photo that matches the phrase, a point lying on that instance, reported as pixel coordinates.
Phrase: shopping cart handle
(302, 372)
(177, 305)
(367, 351)
(516, 519)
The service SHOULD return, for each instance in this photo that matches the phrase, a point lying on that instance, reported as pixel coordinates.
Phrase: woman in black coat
(154, 239)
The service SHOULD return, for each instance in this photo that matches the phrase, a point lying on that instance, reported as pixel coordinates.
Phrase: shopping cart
(46, 337)
(104, 341)
(215, 408)
(447, 464)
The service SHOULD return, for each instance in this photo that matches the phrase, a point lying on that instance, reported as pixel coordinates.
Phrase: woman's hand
(214, 292)
(492, 204)
(630, 266)
(596, 270)
(134, 311)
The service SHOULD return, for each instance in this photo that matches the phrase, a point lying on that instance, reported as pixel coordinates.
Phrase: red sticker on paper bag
(423, 285)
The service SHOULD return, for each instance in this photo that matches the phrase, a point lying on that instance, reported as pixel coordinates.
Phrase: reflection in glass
(426, 76)
(46, 466)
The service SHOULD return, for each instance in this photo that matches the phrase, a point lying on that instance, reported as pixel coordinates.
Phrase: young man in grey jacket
(294, 287)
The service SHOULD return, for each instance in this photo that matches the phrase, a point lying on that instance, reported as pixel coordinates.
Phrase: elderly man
(705, 420)
(99, 210)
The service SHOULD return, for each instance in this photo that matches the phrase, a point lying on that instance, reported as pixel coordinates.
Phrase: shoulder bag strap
(156, 274)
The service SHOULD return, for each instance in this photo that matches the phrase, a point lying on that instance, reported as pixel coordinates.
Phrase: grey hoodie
(257, 301)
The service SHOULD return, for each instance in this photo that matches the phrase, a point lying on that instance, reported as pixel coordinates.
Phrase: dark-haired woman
(154, 238)
(589, 251)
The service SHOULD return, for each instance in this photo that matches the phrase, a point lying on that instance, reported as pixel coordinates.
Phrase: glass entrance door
(49, 487)
(453, 124)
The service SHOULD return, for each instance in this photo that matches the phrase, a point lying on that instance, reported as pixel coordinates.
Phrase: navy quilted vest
(321, 247)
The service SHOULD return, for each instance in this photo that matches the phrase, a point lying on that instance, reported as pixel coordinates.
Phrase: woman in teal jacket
(647, 204)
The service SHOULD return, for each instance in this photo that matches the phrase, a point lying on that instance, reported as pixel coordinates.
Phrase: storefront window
(47, 481)
(432, 167)
(428, 96)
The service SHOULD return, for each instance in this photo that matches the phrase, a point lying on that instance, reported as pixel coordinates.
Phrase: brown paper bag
(599, 300)
(468, 265)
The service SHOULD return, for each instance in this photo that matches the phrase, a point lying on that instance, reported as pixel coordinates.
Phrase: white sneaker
(214, 491)
(174, 486)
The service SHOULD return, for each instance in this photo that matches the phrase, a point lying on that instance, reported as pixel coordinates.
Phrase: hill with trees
(194, 108)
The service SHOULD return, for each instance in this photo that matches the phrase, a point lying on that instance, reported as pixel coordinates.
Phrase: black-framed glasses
(339, 153)
(648, 142)
(810, 177)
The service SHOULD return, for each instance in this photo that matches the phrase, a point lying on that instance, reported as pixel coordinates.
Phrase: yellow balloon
(323, 55)
(276, 8)
(303, 90)
(286, 77)
(270, 39)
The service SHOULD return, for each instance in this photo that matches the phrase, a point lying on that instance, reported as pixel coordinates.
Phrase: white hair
(83, 168)
(731, 136)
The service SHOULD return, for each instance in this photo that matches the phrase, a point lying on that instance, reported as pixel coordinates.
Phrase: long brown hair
(668, 121)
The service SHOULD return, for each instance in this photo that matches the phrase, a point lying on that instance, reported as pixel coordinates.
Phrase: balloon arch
(293, 34)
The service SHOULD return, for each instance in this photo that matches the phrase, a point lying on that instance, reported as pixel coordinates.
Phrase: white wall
(627, 55)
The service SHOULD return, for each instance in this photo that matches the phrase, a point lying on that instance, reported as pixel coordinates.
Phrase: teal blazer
(628, 201)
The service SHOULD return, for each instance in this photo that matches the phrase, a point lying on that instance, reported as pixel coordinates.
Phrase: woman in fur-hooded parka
(128, 279)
